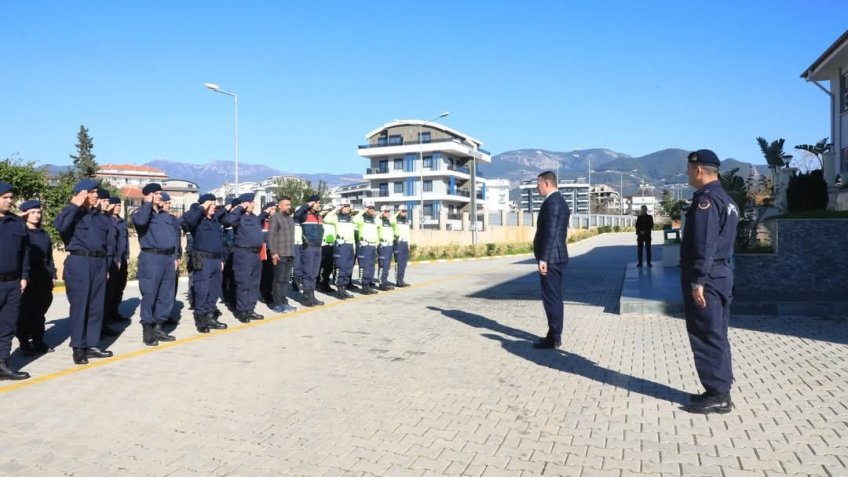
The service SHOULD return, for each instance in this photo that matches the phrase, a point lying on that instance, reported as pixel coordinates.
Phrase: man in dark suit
(551, 251)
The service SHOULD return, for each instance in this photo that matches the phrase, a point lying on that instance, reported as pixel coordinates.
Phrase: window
(844, 93)
(382, 140)
(428, 162)
(425, 137)
(428, 186)
(398, 164)
(395, 139)
(398, 187)
(428, 210)
(384, 166)
(384, 189)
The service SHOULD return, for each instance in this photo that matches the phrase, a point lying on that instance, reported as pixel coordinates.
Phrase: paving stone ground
(438, 379)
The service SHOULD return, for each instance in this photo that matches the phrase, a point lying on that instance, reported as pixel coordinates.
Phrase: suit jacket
(551, 231)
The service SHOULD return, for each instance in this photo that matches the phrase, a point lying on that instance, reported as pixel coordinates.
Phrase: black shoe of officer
(242, 316)
(27, 349)
(79, 356)
(8, 373)
(147, 335)
(547, 343)
(346, 294)
(386, 287)
(161, 334)
(41, 347)
(352, 287)
(324, 287)
(201, 322)
(341, 294)
(313, 300)
(255, 316)
(367, 290)
(401, 284)
(718, 403)
(213, 322)
(95, 352)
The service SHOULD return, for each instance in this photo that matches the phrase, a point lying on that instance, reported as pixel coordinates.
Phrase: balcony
(370, 171)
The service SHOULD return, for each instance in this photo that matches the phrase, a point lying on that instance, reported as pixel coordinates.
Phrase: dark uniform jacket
(709, 233)
(14, 258)
(207, 233)
(311, 223)
(246, 227)
(86, 231)
(41, 253)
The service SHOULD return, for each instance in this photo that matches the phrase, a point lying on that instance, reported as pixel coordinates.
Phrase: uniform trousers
(206, 285)
(35, 302)
(156, 276)
(344, 258)
(401, 259)
(384, 254)
(365, 256)
(10, 310)
(85, 286)
(310, 258)
(247, 269)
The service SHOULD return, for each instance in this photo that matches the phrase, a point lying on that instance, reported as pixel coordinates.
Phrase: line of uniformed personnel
(304, 248)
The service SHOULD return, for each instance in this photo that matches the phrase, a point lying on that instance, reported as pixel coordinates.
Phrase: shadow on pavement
(571, 363)
(56, 333)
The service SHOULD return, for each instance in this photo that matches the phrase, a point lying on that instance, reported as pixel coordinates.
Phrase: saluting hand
(80, 198)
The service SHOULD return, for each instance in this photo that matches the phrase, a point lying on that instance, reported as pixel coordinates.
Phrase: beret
(247, 197)
(103, 194)
(151, 188)
(114, 200)
(30, 204)
(5, 187)
(206, 198)
(704, 157)
(313, 198)
(85, 184)
(235, 201)
(166, 197)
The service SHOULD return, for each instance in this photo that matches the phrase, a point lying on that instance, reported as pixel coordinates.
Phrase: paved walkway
(439, 379)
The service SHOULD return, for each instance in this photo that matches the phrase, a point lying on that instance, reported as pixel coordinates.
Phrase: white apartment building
(497, 195)
(415, 162)
(575, 193)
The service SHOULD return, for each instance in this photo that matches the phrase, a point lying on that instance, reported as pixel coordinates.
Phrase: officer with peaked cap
(401, 246)
(14, 273)
(341, 222)
(312, 228)
(247, 266)
(366, 246)
(385, 245)
(117, 281)
(204, 223)
(707, 281)
(38, 295)
(90, 240)
(157, 264)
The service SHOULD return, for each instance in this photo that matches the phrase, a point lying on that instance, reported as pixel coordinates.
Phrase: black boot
(201, 322)
(79, 356)
(95, 352)
(242, 316)
(315, 301)
(160, 334)
(401, 284)
(213, 322)
(341, 294)
(255, 316)
(8, 373)
(367, 290)
(147, 335)
(386, 287)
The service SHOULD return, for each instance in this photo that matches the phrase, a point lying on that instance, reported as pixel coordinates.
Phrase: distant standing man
(707, 281)
(157, 264)
(281, 246)
(401, 247)
(312, 226)
(90, 239)
(385, 245)
(14, 273)
(247, 266)
(551, 251)
(117, 281)
(644, 226)
(38, 296)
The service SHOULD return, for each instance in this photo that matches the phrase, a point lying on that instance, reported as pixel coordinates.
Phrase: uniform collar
(706, 187)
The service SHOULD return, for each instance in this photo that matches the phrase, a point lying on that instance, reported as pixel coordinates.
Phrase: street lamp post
(421, 160)
(214, 87)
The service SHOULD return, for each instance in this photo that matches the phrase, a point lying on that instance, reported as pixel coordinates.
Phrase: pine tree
(84, 163)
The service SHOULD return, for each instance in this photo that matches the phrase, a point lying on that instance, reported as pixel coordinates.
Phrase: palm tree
(735, 186)
(776, 158)
(818, 150)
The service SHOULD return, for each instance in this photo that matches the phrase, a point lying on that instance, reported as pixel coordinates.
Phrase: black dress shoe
(714, 403)
(8, 373)
(79, 356)
(41, 347)
(386, 287)
(401, 284)
(242, 316)
(160, 333)
(213, 322)
(547, 343)
(95, 352)
(255, 316)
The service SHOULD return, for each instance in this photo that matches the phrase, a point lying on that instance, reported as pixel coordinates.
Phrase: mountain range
(661, 168)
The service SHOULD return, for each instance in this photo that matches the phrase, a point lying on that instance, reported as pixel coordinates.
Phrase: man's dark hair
(548, 176)
(285, 197)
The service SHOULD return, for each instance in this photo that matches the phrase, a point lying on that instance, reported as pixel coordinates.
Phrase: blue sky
(314, 77)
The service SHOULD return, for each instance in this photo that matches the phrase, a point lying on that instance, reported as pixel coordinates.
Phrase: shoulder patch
(704, 204)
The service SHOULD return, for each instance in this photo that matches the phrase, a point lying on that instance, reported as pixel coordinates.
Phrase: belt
(86, 253)
(9, 277)
(342, 242)
(216, 256)
(366, 243)
(249, 249)
(386, 242)
(159, 251)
